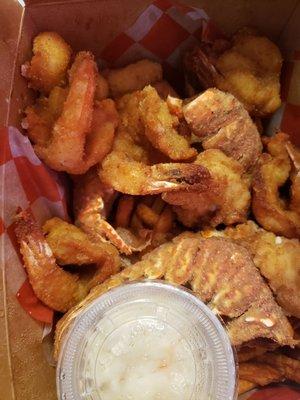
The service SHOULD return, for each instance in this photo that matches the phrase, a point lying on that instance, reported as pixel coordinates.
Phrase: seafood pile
(182, 188)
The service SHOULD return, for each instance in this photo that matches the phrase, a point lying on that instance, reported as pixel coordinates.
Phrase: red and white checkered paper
(162, 32)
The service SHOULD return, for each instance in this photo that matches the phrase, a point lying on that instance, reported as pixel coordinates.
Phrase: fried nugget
(49, 64)
(132, 77)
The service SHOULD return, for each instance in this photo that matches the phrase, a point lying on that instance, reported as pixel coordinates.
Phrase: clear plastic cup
(147, 340)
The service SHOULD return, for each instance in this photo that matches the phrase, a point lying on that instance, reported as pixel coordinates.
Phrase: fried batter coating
(226, 200)
(55, 287)
(249, 69)
(102, 89)
(271, 172)
(92, 203)
(49, 64)
(41, 117)
(71, 132)
(160, 126)
(278, 260)
(252, 374)
(128, 167)
(132, 77)
(221, 122)
(221, 273)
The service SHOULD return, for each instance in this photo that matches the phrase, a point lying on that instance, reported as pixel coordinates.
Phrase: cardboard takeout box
(93, 24)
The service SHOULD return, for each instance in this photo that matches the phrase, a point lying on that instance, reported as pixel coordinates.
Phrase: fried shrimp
(55, 287)
(159, 125)
(226, 200)
(128, 168)
(221, 122)
(132, 77)
(76, 132)
(248, 67)
(221, 273)
(92, 203)
(271, 172)
(278, 260)
(49, 64)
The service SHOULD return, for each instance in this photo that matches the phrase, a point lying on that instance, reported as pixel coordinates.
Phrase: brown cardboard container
(87, 24)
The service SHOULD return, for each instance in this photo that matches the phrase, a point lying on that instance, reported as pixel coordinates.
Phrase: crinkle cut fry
(202, 262)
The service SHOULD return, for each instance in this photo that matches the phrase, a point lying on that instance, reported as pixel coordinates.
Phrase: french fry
(147, 215)
(249, 352)
(165, 221)
(244, 386)
(158, 205)
(135, 223)
(260, 374)
(288, 367)
(124, 211)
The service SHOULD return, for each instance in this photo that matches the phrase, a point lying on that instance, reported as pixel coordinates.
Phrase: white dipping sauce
(146, 341)
(145, 359)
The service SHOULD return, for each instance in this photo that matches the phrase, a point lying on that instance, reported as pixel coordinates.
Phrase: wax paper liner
(162, 32)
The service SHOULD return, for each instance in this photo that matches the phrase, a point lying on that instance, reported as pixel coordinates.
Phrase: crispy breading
(55, 287)
(160, 126)
(221, 273)
(258, 374)
(288, 367)
(226, 200)
(133, 77)
(278, 260)
(248, 67)
(271, 172)
(129, 169)
(49, 64)
(222, 122)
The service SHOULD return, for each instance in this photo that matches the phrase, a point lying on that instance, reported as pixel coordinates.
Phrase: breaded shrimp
(49, 64)
(132, 77)
(55, 287)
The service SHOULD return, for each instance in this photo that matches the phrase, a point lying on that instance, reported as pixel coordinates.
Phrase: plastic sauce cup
(147, 340)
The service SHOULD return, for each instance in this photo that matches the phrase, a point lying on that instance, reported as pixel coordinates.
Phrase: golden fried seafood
(221, 122)
(92, 202)
(55, 287)
(102, 89)
(226, 200)
(221, 273)
(253, 374)
(159, 127)
(288, 367)
(70, 245)
(49, 64)
(41, 117)
(271, 172)
(128, 167)
(249, 68)
(278, 260)
(77, 133)
(132, 77)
